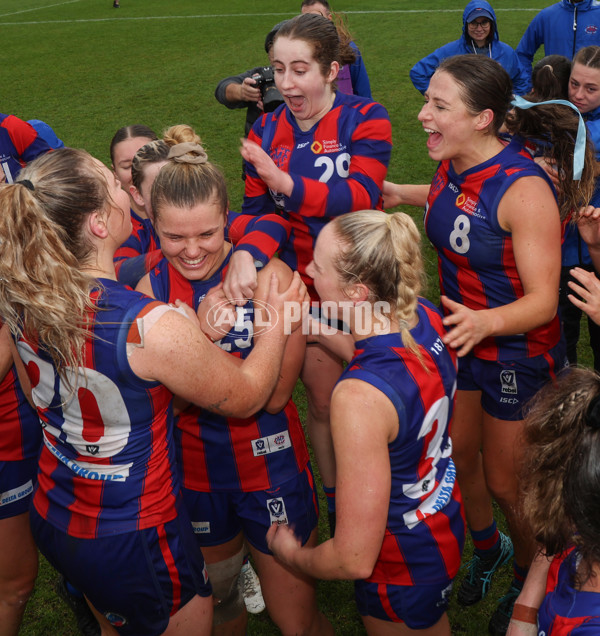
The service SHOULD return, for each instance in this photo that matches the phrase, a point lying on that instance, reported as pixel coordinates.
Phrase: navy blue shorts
(137, 580)
(506, 387)
(217, 517)
(17, 480)
(419, 606)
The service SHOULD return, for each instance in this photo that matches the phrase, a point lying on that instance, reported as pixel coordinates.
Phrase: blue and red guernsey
(337, 166)
(107, 465)
(476, 262)
(425, 530)
(220, 453)
(20, 431)
(19, 144)
(566, 611)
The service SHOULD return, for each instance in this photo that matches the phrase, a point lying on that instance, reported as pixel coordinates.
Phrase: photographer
(254, 89)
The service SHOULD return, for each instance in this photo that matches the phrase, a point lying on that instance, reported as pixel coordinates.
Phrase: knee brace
(224, 576)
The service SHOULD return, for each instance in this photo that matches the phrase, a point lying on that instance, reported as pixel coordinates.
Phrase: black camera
(271, 97)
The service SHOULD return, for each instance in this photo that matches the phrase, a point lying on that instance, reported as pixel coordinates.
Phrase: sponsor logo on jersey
(201, 527)
(102, 472)
(271, 444)
(592, 29)
(92, 449)
(508, 379)
(302, 145)
(465, 203)
(453, 187)
(326, 146)
(15, 494)
(277, 511)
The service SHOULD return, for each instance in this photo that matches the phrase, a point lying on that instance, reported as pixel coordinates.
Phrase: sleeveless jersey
(20, 430)
(107, 465)
(476, 263)
(425, 529)
(220, 453)
(566, 611)
(337, 166)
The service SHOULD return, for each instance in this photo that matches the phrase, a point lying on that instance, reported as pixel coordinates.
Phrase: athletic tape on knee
(224, 576)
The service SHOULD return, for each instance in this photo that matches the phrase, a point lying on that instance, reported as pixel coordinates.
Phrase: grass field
(88, 69)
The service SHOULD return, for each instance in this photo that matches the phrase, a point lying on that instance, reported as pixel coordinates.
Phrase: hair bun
(188, 152)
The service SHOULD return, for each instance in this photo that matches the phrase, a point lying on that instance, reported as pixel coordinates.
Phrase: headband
(579, 152)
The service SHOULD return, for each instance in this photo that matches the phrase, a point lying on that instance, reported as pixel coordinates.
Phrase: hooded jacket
(563, 28)
(421, 72)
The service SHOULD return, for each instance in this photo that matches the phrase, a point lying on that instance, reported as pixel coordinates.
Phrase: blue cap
(479, 13)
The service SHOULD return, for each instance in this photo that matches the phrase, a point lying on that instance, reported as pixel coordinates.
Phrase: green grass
(88, 69)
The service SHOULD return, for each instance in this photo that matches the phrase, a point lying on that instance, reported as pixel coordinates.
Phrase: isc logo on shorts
(277, 511)
(508, 380)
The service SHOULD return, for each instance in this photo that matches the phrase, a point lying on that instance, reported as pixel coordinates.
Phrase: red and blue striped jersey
(220, 453)
(107, 465)
(337, 166)
(476, 262)
(19, 144)
(425, 530)
(566, 611)
(20, 430)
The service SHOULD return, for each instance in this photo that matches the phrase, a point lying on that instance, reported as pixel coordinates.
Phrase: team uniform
(106, 511)
(337, 166)
(563, 28)
(20, 143)
(505, 55)
(575, 253)
(262, 237)
(477, 268)
(425, 529)
(20, 439)
(566, 611)
(238, 473)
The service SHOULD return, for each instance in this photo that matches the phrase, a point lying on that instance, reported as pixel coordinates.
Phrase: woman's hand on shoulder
(276, 179)
(241, 279)
(466, 327)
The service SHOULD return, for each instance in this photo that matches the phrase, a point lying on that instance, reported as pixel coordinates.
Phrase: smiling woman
(319, 155)
(492, 215)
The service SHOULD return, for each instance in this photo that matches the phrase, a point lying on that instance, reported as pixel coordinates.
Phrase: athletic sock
(520, 574)
(486, 542)
(330, 494)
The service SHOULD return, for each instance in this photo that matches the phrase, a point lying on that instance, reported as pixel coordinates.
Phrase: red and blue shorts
(217, 517)
(137, 580)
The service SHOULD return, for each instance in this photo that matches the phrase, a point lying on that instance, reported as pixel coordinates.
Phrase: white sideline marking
(120, 18)
(47, 6)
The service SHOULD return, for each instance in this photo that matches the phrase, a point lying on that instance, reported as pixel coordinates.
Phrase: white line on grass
(47, 6)
(221, 15)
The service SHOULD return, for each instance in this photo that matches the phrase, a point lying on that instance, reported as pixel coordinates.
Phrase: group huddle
(152, 338)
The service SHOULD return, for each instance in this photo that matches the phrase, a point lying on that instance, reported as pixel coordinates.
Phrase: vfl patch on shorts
(277, 511)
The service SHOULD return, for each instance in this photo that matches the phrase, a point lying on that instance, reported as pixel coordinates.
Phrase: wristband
(525, 614)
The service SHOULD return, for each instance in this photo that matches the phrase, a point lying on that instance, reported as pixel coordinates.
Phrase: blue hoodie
(421, 72)
(563, 28)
